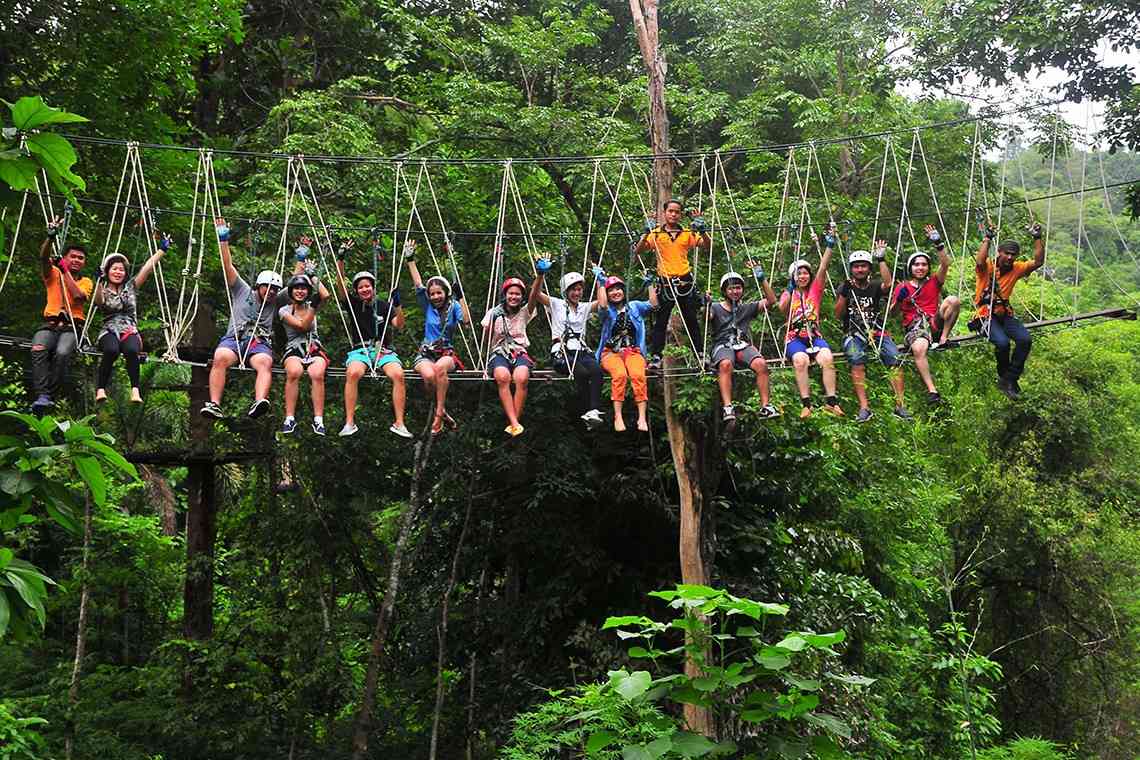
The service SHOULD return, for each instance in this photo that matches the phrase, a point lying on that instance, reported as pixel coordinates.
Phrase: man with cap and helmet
(732, 339)
(445, 309)
(504, 330)
(927, 318)
(297, 311)
(621, 345)
(995, 317)
(54, 343)
(859, 304)
(804, 343)
(248, 335)
(116, 295)
(570, 355)
(373, 321)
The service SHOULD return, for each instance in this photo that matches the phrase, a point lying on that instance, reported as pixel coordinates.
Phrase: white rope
(15, 238)
(974, 150)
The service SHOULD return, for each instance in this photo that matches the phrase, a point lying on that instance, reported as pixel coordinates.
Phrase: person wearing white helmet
(372, 324)
(297, 311)
(248, 336)
(445, 309)
(804, 343)
(570, 354)
(732, 339)
(859, 305)
(927, 318)
(116, 295)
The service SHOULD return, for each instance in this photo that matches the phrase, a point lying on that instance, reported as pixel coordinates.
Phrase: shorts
(434, 354)
(316, 351)
(521, 359)
(372, 356)
(920, 329)
(855, 346)
(251, 346)
(740, 358)
(799, 346)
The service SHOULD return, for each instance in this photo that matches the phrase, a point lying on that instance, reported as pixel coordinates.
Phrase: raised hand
(222, 229)
(934, 236)
(344, 248)
(879, 251)
(1035, 230)
(543, 264)
(409, 250)
(830, 236)
(302, 249)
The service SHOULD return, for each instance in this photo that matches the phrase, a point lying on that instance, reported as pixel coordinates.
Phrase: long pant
(626, 367)
(111, 346)
(690, 305)
(51, 362)
(587, 376)
(1003, 330)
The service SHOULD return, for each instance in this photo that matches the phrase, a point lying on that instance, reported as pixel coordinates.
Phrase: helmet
(569, 280)
(440, 281)
(268, 277)
(859, 257)
(111, 259)
(915, 255)
(300, 281)
(363, 276)
(613, 281)
(796, 266)
(512, 282)
(729, 277)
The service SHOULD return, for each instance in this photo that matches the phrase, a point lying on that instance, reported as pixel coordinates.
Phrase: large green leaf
(31, 111)
(829, 723)
(631, 685)
(686, 744)
(17, 170)
(56, 154)
(6, 556)
(599, 741)
(92, 474)
(27, 593)
(112, 457)
(5, 613)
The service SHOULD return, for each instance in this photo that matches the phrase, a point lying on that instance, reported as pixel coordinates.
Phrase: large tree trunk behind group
(681, 441)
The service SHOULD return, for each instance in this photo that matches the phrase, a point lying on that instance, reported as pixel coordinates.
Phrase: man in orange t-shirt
(672, 243)
(994, 318)
(55, 342)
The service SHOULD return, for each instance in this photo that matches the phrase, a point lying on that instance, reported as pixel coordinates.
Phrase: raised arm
(599, 288)
(1038, 248)
(935, 238)
(643, 244)
(223, 231)
(988, 235)
(879, 254)
(342, 252)
(47, 248)
(541, 267)
(700, 227)
(410, 258)
(149, 265)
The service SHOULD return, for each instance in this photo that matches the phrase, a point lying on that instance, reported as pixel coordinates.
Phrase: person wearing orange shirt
(55, 342)
(994, 318)
(672, 243)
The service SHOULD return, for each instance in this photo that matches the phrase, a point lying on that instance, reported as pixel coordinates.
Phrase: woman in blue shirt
(621, 348)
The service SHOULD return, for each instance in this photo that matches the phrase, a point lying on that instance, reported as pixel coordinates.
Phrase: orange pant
(630, 368)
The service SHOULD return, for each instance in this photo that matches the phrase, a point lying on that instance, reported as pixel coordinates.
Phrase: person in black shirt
(859, 304)
(732, 340)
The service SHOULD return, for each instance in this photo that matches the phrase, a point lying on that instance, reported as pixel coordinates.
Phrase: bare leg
(800, 362)
(442, 367)
(827, 369)
(317, 385)
(619, 420)
(223, 360)
(521, 377)
(760, 367)
(293, 371)
(642, 420)
(724, 381)
(897, 385)
(918, 350)
(395, 373)
(263, 365)
(948, 311)
(352, 375)
(859, 380)
(503, 382)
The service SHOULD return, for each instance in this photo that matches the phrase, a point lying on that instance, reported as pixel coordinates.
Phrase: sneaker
(401, 431)
(514, 431)
(258, 408)
(288, 426)
(348, 430)
(210, 409)
(934, 398)
(42, 402)
(935, 345)
(864, 415)
(592, 418)
(835, 410)
(654, 363)
(729, 414)
(768, 411)
(318, 427)
(903, 414)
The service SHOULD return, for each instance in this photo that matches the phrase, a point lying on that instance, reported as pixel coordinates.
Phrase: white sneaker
(347, 430)
(592, 418)
(400, 430)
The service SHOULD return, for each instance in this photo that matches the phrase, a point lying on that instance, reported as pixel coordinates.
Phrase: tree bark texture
(80, 632)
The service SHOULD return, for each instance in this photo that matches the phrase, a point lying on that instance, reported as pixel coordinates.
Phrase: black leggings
(690, 306)
(111, 346)
(587, 376)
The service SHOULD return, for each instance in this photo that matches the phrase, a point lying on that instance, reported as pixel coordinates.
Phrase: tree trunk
(161, 496)
(80, 633)
(201, 512)
(681, 440)
(363, 726)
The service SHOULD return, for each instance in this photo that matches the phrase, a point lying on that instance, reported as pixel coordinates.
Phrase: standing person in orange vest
(55, 342)
(994, 317)
(676, 285)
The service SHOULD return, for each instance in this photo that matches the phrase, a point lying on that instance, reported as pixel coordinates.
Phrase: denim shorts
(251, 346)
(799, 346)
(509, 362)
(855, 346)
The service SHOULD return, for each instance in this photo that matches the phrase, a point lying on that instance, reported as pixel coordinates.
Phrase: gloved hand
(879, 251)
(343, 249)
(457, 291)
(758, 273)
(791, 284)
(830, 239)
(699, 226)
(650, 225)
(648, 278)
(223, 231)
(1035, 231)
(543, 265)
(310, 269)
(989, 232)
(935, 237)
(394, 298)
(599, 273)
(54, 227)
(409, 250)
(301, 252)
(164, 243)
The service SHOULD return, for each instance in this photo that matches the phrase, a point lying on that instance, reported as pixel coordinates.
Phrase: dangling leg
(827, 369)
(317, 369)
(294, 368)
(948, 315)
(615, 368)
(131, 348)
(43, 348)
(395, 373)
(109, 346)
(502, 377)
(800, 363)
(635, 366)
(442, 369)
(352, 374)
(521, 377)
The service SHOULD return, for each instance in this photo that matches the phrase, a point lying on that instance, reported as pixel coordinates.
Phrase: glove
(647, 278)
(650, 225)
(791, 284)
(223, 233)
(1035, 230)
(543, 265)
(301, 252)
(935, 238)
(758, 273)
(52, 230)
(699, 226)
(409, 250)
(830, 240)
(599, 273)
(341, 252)
(164, 243)
(394, 298)
(457, 291)
(879, 255)
(990, 232)
(310, 269)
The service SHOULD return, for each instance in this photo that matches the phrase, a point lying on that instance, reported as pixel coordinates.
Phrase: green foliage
(25, 151)
(1026, 749)
(19, 740)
